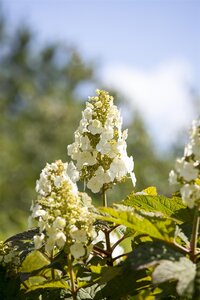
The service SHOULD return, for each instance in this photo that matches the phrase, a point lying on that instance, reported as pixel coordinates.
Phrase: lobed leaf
(156, 227)
(168, 207)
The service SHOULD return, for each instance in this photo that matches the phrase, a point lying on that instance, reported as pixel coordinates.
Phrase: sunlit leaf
(58, 284)
(156, 227)
(168, 207)
(34, 261)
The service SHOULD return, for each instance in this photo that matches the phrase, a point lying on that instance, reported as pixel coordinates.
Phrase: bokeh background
(54, 53)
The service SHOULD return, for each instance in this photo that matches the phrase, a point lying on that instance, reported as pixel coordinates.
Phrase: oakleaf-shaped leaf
(156, 227)
(168, 207)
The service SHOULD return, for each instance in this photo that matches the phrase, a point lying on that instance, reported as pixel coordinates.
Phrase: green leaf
(156, 227)
(149, 253)
(90, 292)
(34, 261)
(168, 292)
(47, 294)
(56, 284)
(105, 273)
(125, 284)
(9, 285)
(168, 207)
(26, 235)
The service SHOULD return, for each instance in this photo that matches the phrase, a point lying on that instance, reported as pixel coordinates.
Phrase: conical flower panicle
(100, 146)
(63, 219)
(187, 169)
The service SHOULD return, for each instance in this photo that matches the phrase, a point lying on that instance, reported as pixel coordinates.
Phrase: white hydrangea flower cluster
(100, 146)
(187, 169)
(63, 219)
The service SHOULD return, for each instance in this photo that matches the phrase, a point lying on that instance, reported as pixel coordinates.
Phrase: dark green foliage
(126, 283)
(9, 285)
(168, 292)
(148, 254)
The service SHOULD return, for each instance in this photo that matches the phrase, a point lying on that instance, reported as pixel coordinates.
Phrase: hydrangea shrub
(144, 247)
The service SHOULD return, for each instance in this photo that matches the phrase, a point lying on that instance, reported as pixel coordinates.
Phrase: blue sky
(152, 45)
(134, 32)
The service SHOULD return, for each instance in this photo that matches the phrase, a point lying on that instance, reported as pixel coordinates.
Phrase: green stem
(52, 270)
(107, 232)
(72, 277)
(105, 204)
(194, 237)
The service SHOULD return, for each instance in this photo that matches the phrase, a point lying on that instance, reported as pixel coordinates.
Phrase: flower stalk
(104, 196)
(52, 270)
(72, 278)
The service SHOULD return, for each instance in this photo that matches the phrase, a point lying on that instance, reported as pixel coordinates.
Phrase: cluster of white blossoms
(187, 169)
(63, 218)
(100, 146)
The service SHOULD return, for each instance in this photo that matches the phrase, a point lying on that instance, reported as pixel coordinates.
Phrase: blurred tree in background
(39, 112)
(40, 109)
